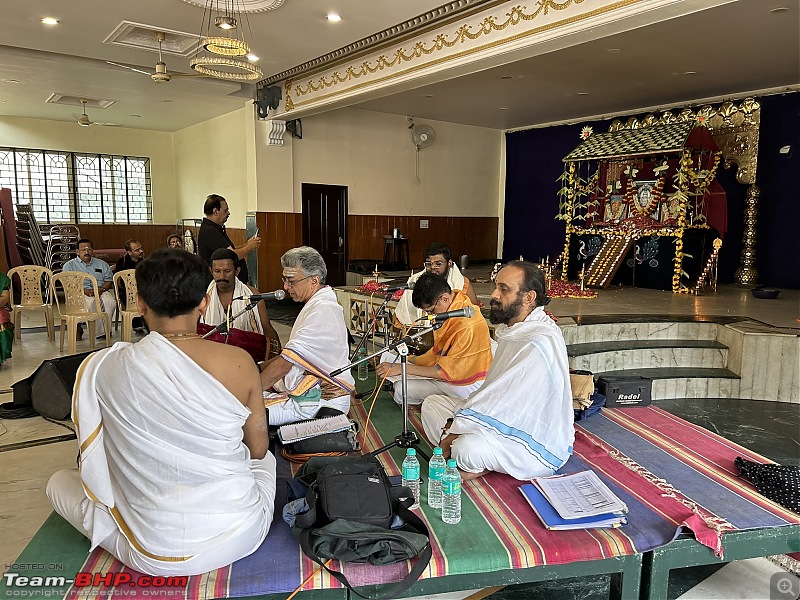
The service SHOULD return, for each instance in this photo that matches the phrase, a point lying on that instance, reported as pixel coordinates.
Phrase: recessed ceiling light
(137, 116)
(333, 17)
(12, 80)
(506, 77)
(50, 21)
(690, 73)
(252, 57)
(614, 50)
(502, 108)
(428, 96)
(166, 100)
(778, 9)
(3, 101)
(583, 93)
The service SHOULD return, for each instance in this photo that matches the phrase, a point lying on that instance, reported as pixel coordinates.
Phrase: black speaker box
(50, 386)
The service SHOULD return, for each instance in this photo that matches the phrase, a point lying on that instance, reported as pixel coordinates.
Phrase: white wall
(215, 157)
(372, 154)
(43, 134)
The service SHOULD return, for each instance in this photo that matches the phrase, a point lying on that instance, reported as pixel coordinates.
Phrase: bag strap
(401, 586)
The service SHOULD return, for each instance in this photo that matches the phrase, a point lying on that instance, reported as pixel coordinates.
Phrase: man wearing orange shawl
(457, 363)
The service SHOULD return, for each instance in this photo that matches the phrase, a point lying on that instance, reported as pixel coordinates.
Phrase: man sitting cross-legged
(317, 345)
(228, 296)
(520, 421)
(457, 363)
(174, 474)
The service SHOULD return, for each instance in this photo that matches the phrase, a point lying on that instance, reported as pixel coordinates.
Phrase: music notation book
(294, 432)
(577, 501)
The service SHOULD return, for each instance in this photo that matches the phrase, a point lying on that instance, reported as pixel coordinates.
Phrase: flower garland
(655, 197)
(373, 287)
(562, 289)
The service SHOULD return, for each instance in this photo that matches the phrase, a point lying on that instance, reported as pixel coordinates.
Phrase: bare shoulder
(231, 366)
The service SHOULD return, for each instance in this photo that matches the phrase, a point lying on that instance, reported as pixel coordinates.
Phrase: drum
(255, 344)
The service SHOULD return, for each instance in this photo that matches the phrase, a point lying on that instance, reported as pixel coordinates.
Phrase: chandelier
(221, 49)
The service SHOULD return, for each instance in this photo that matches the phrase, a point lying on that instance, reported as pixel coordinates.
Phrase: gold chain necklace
(180, 336)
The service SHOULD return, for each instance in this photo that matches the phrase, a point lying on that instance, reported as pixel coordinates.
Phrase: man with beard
(228, 296)
(213, 235)
(438, 260)
(520, 421)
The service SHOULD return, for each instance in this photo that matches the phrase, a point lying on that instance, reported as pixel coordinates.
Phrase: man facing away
(457, 363)
(438, 260)
(317, 345)
(520, 421)
(85, 262)
(174, 476)
(228, 296)
(212, 234)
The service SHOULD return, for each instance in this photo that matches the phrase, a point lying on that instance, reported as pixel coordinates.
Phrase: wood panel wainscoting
(475, 236)
(151, 237)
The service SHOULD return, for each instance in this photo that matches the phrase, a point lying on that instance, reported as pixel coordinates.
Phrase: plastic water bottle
(451, 494)
(411, 474)
(363, 368)
(436, 468)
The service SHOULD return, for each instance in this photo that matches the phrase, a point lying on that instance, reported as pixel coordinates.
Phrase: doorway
(325, 226)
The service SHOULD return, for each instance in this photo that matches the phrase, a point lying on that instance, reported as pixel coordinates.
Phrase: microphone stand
(407, 438)
(223, 327)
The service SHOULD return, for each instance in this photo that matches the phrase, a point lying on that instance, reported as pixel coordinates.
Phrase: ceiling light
(225, 22)
(779, 9)
(690, 73)
(614, 50)
(12, 80)
(502, 108)
(166, 100)
(583, 93)
(218, 53)
(333, 17)
(428, 96)
(50, 21)
(137, 116)
(506, 77)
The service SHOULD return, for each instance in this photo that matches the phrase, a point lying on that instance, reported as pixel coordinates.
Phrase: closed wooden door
(325, 226)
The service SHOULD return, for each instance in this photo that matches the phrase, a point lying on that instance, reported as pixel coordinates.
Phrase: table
(393, 249)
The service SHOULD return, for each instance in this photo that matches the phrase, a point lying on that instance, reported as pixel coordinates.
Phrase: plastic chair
(75, 310)
(31, 296)
(127, 279)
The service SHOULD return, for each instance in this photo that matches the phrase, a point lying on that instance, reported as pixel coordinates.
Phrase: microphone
(467, 311)
(276, 295)
(396, 288)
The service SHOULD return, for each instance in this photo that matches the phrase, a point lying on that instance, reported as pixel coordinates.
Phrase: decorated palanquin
(642, 205)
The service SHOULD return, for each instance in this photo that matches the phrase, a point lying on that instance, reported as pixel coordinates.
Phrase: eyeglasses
(293, 282)
(437, 263)
(429, 309)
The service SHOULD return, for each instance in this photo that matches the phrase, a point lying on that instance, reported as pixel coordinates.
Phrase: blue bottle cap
(437, 450)
(451, 463)
(411, 452)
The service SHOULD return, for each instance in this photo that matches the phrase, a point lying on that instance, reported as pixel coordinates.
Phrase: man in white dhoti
(174, 474)
(85, 262)
(520, 421)
(317, 346)
(228, 296)
(438, 260)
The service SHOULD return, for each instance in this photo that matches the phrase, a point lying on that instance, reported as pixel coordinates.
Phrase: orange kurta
(461, 347)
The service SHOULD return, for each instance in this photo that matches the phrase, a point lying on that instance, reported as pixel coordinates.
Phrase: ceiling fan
(160, 75)
(85, 121)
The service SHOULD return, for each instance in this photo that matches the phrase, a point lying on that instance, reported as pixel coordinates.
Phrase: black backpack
(352, 506)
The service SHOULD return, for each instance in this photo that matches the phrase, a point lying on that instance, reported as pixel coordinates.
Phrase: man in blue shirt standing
(85, 262)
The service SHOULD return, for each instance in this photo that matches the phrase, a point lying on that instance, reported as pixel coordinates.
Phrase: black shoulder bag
(352, 506)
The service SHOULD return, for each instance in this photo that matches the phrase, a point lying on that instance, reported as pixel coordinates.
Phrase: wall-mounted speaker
(295, 127)
(268, 98)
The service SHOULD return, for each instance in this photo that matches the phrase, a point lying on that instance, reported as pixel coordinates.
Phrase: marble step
(685, 382)
(637, 354)
(646, 330)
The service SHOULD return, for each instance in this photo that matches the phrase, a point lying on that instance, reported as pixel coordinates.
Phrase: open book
(294, 432)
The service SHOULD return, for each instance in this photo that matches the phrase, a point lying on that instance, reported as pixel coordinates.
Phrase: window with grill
(73, 187)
